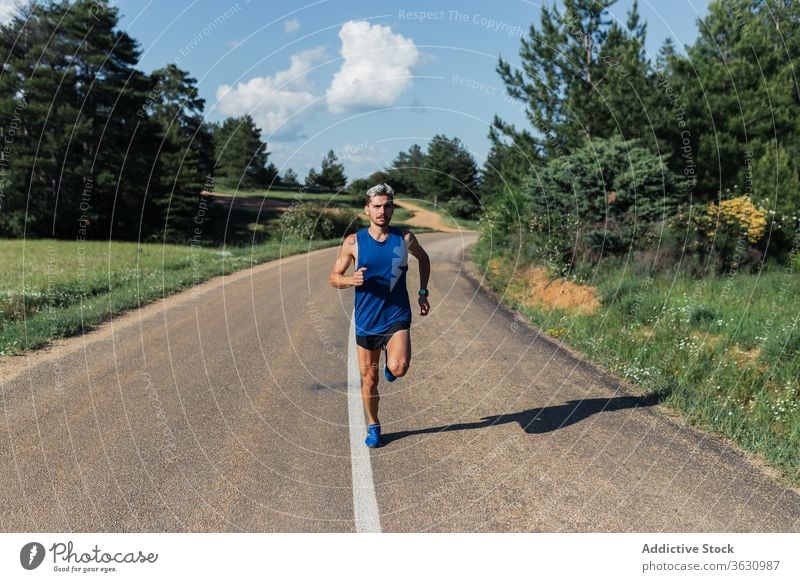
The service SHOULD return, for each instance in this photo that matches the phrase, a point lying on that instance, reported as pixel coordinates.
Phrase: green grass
(460, 223)
(53, 289)
(723, 351)
(342, 200)
(330, 199)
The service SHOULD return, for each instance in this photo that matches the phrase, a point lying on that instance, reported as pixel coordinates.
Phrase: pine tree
(560, 65)
(407, 173)
(581, 77)
(509, 164)
(627, 85)
(81, 153)
(332, 173)
(452, 174)
(737, 85)
(312, 179)
(241, 156)
(290, 178)
(271, 175)
(185, 153)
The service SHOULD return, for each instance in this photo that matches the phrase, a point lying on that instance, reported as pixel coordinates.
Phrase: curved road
(225, 408)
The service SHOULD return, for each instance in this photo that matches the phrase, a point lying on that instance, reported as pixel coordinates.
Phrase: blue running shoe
(387, 374)
(373, 439)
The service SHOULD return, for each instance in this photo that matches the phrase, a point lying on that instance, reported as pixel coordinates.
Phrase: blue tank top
(382, 300)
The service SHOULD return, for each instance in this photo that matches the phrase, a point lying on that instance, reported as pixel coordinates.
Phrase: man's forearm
(424, 272)
(341, 281)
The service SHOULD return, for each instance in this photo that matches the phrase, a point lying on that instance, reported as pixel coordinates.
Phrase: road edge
(724, 445)
(11, 367)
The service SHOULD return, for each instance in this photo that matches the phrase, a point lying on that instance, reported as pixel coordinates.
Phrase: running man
(382, 309)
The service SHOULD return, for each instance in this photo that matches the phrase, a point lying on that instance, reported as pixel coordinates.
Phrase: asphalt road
(225, 408)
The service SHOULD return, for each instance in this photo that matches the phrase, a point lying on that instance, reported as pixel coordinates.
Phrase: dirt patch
(534, 287)
(744, 358)
(709, 341)
(495, 266)
(561, 294)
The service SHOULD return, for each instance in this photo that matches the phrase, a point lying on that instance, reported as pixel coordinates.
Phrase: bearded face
(379, 209)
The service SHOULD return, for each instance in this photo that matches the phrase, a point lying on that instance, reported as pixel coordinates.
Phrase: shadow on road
(540, 420)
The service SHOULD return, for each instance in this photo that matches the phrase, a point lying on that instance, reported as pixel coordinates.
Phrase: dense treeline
(445, 174)
(685, 160)
(621, 153)
(93, 148)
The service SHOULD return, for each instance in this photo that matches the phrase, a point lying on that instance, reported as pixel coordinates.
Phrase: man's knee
(369, 381)
(398, 367)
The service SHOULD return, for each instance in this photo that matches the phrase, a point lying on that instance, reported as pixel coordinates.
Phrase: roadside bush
(314, 221)
(607, 178)
(507, 217)
(604, 199)
(731, 234)
(461, 207)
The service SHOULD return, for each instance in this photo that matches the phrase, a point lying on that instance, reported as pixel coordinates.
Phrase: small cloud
(273, 101)
(376, 68)
(290, 26)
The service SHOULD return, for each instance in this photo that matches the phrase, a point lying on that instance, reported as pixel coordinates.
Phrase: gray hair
(380, 190)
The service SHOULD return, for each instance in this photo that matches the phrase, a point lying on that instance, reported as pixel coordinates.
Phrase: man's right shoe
(373, 439)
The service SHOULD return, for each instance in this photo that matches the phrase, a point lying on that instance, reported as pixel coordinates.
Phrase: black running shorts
(376, 342)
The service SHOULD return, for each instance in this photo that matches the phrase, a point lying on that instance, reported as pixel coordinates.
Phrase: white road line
(365, 503)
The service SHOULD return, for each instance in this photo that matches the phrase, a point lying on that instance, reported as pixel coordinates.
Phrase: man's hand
(358, 277)
(424, 306)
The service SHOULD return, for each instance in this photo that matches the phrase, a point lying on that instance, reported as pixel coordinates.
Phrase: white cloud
(7, 9)
(290, 26)
(376, 68)
(271, 101)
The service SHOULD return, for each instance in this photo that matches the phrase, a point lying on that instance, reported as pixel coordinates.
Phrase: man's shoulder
(408, 236)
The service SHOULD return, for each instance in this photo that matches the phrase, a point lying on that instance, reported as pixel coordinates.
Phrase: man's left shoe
(373, 439)
(387, 374)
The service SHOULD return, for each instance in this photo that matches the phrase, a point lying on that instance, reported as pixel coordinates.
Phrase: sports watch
(423, 292)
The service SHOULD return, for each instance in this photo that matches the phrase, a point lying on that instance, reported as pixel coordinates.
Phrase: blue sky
(365, 79)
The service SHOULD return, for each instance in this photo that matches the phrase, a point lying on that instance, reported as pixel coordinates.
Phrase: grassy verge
(722, 351)
(329, 199)
(344, 201)
(460, 223)
(53, 289)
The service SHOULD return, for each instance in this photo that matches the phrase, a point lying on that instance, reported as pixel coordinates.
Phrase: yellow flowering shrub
(739, 214)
